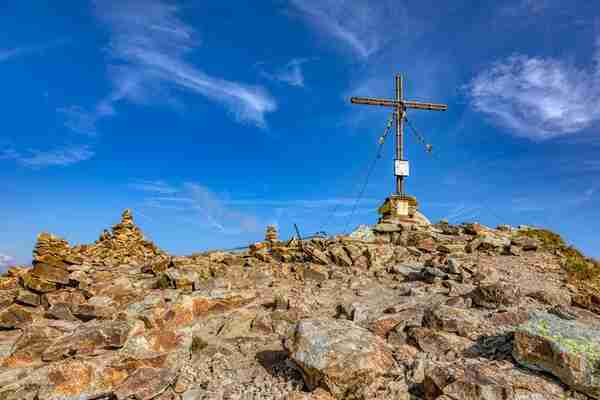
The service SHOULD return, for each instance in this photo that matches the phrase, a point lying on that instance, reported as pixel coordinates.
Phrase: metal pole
(399, 135)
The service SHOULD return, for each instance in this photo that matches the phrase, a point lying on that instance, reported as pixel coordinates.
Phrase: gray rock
(566, 349)
(338, 356)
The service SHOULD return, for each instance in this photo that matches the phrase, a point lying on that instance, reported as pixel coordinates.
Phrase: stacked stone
(124, 245)
(271, 235)
(50, 245)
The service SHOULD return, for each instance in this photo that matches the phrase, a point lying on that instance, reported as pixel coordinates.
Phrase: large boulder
(565, 348)
(338, 356)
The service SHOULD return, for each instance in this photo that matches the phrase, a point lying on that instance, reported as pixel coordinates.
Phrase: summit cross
(401, 168)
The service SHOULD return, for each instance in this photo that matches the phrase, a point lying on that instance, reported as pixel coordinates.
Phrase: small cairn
(271, 235)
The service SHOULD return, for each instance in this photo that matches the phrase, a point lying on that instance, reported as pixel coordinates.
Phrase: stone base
(401, 210)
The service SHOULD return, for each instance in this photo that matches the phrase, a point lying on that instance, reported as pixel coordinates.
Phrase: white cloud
(159, 186)
(290, 74)
(79, 120)
(64, 156)
(148, 45)
(5, 260)
(538, 98)
(205, 206)
(361, 25)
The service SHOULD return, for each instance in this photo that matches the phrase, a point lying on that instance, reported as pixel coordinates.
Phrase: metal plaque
(401, 168)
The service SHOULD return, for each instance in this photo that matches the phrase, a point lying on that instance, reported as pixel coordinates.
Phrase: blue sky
(211, 120)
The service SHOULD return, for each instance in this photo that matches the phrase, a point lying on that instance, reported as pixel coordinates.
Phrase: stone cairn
(271, 235)
(124, 245)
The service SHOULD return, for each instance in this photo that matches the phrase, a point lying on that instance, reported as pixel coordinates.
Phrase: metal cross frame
(400, 105)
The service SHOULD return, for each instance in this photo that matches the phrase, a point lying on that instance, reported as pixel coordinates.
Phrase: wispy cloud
(79, 120)
(361, 25)
(159, 187)
(5, 260)
(149, 44)
(8, 54)
(203, 205)
(291, 74)
(34, 158)
(538, 98)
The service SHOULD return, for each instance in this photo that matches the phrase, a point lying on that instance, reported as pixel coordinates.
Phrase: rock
(552, 297)
(89, 339)
(28, 298)
(408, 271)
(448, 229)
(7, 282)
(486, 275)
(145, 383)
(88, 312)
(28, 349)
(458, 289)
(492, 242)
(431, 274)
(455, 320)
(317, 394)
(63, 297)
(355, 252)
(384, 325)
(237, 325)
(315, 255)
(379, 257)
(504, 228)
(472, 381)
(451, 248)
(38, 285)
(527, 243)
(385, 227)
(14, 317)
(338, 356)
(566, 349)
(473, 228)
(50, 273)
(439, 343)
(339, 256)
(496, 295)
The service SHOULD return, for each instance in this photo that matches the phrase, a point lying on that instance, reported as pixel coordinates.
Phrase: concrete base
(402, 210)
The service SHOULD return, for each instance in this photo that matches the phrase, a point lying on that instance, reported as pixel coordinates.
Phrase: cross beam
(400, 106)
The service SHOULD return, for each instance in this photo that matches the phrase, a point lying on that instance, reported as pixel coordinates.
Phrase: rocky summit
(441, 311)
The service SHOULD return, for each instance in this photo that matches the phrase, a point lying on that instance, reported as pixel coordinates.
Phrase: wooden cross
(400, 105)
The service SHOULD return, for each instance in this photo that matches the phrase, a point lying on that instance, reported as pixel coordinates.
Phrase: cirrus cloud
(538, 98)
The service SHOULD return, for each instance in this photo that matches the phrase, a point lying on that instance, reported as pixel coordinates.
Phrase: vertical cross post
(399, 132)
(399, 105)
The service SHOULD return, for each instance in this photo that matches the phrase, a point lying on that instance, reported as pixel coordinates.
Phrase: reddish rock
(67, 296)
(7, 282)
(89, 339)
(51, 273)
(145, 384)
(69, 379)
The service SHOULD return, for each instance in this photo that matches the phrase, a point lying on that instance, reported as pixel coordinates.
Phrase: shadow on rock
(493, 347)
(277, 363)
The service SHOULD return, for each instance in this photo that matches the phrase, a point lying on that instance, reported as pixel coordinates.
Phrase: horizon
(211, 123)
